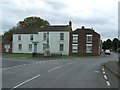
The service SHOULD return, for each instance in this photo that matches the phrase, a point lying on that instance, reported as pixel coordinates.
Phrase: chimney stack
(70, 23)
(83, 27)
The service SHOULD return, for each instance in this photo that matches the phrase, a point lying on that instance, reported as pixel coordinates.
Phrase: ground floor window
(88, 48)
(20, 46)
(61, 47)
(30, 47)
(44, 46)
(74, 48)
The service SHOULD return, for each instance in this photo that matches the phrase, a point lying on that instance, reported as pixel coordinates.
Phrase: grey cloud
(56, 5)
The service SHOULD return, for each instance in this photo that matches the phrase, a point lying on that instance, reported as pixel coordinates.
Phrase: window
(19, 37)
(89, 38)
(61, 47)
(61, 36)
(75, 38)
(20, 46)
(74, 48)
(30, 47)
(88, 48)
(44, 36)
(44, 46)
(31, 37)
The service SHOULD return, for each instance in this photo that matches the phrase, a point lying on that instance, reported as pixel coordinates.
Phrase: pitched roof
(55, 28)
(43, 28)
(26, 31)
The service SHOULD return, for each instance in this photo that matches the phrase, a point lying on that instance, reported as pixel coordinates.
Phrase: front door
(35, 47)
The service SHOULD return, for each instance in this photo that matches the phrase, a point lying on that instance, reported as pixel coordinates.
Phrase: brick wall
(82, 32)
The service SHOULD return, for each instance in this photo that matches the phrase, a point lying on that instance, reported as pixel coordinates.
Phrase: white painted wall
(54, 41)
(25, 41)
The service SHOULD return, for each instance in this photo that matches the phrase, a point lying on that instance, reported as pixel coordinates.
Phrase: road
(73, 72)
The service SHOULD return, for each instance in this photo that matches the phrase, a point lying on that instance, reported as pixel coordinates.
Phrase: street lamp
(47, 49)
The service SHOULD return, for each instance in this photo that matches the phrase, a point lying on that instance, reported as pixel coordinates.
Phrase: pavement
(113, 67)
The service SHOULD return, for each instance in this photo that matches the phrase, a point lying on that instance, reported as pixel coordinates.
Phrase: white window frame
(61, 36)
(87, 38)
(87, 48)
(74, 49)
(30, 47)
(61, 47)
(19, 47)
(44, 36)
(44, 46)
(75, 38)
(19, 37)
(31, 37)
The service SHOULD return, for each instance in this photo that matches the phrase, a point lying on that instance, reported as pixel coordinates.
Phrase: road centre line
(25, 82)
(54, 68)
(27, 64)
(69, 63)
(17, 66)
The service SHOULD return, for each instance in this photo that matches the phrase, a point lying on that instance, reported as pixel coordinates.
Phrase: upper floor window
(75, 38)
(20, 46)
(61, 47)
(61, 36)
(44, 36)
(89, 39)
(19, 37)
(31, 37)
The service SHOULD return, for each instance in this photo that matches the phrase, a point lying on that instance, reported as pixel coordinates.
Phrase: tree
(32, 22)
(8, 34)
(107, 44)
(104, 45)
(115, 44)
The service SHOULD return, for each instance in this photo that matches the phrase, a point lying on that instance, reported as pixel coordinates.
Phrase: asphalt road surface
(72, 72)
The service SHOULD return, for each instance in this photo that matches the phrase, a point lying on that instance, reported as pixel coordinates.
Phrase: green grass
(15, 55)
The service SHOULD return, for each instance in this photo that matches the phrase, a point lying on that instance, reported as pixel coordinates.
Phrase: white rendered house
(29, 41)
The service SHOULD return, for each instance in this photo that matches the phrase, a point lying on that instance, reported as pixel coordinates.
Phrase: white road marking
(103, 69)
(54, 68)
(105, 77)
(108, 83)
(25, 82)
(59, 66)
(70, 63)
(96, 71)
(103, 72)
(18, 66)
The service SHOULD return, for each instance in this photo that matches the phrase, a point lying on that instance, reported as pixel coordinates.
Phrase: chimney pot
(83, 27)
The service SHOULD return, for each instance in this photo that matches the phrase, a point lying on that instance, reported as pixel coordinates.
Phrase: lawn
(15, 55)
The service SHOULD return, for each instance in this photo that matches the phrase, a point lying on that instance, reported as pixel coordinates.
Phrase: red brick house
(6, 45)
(85, 41)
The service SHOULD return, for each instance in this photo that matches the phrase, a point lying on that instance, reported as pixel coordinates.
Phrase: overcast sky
(102, 15)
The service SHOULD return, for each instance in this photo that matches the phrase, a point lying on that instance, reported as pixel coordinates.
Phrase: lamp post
(47, 50)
